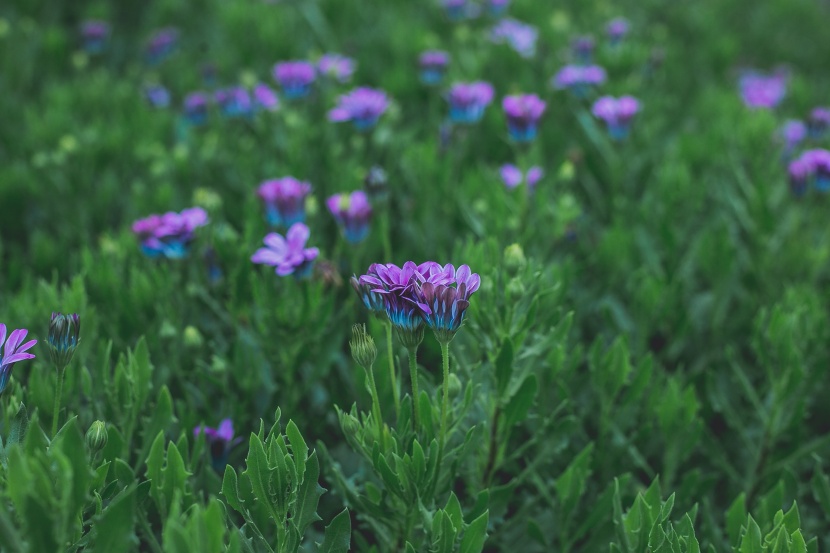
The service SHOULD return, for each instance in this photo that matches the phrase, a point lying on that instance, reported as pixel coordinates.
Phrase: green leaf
(571, 483)
(259, 474)
(521, 401)
(142, 369)
(798, 543)
(751, 540)
(230, 489)
(453, 510)
(475, 535)
(298, 447)
(115, 525)
(308, 495)
(821, 489)
(444, 533)
(20, 423)
(174, 476)
(338, 534)
(504, 367)
(735, 517)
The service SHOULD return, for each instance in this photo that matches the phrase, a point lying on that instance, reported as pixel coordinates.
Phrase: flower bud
(192, 337)
(64, 332)
(514, 259)
(515, 290)
(96, 436)
(363, 347)
(454, 385)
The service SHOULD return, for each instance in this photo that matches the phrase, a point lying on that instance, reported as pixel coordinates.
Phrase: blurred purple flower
(196, 108)
(289, 255)
(819, 122)
(617, 114)
(760, 91)
(819, 162)
(169, 235)
(520, 36)
(15, 351)
(523, 112)
(362, 106)
(220, 441)
(458, 10)
(295, 78)
(284, 200)
(95, 35)
(234, 101)
(497, 8)
(352, 212)
(468, 100)
(616, 30)
(579, 78)
(791, 134)
(161, 44)
(266, 98)
(513, 177)
(337, 67)
(800, 171)
(157, 96)
(583, 48)
(433, 65)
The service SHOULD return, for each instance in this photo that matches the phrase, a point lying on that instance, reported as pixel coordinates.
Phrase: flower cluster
(94, 35)
(812, 165)
(352, 212)
(617, 114)
(362, 106)
(512, 176)
(419, 296)
(288, 255)
(295, 78)
(15, 351)
(284, 200)
(760, 91)
(337, 67)
(579, 78)
(519, 36)
(468, 100)
(433, 64)
(523, 112)
(171, 234)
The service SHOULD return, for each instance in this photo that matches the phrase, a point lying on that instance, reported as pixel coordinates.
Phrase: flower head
(819, 162)
(617, 29)
(513, 177)
(760, 91)
(157, 96)
(337, 67)
(265, 97)
(169, 235)
(444, 304)
(579, 78)
(520, 36)
(791, 134)
(288, 255)
(800, 171)
(161, 44)
(362, 106)
(458, 10)
(196, 108)
(295, 78)
(819, 122)
(468, 100)
(364, 351)
(15, 351)
(220, 441)
(523, 112)
(433, 64)
(583, 48)
(373, 301)
(64, 335)
(284, 200)
(234, 102)
(352, 212)
(395, 285)
(95, 34)
(376, 183)
(617, 114)
(497, 7)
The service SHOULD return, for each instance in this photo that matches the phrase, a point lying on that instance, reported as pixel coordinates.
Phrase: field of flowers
(414, 276)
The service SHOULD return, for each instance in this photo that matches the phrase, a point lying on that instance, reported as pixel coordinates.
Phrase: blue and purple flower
(295, 78)
(616, 30)
(791, 134)
(196, 108)
(220, 441)
(583, 49)
(157, 96)
(799, 171)
(520, 36)
(234, 101)
(162, 44)
(265, 98)
(819, 122)
(760, 91)
(288, 255)
(579, 79)
(433, 65)
(284, 200)
(353, 213)
(512, 176)
(468, 100)
(523, 112)
(362, 106)
(15, 351)
(617, 114)
(337, 67)
(497, 8)
(169, 235)
(444, 304)
(95, 35)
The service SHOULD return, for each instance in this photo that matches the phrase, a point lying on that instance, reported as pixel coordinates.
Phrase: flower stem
(413, 374)
(393, 379)
(445, 402)
(376, 406)
(58, 394)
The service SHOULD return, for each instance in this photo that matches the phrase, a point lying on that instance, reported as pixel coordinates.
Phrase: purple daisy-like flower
(523, 112)
(15, 350)
(295, 78)
(336, 66)
(791, 134)
(161, 44)
(196, 108)
(800, 171)
(819, 122)
(157, 96)
(220, 441)
(616, 30)
(266, 98)
(373, 301)
(468, 100)
(444, 305)
(95, 35)
(583, 48)
(760, 91)
(617, 114)
(352, 212)
(395, 285)
(819, 162)
(284, 200)
(362, 106)
(579, 78)
(512, 176)
(520, 36)
(288, 255)
(169, 235)
(433, 65)
(234, 101)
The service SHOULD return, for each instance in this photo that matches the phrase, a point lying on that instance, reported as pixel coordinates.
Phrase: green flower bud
(454, 385)
(64, 335)
(515, 289)
(192, 337)
(514, 259)
(363, 347)
(96, 436)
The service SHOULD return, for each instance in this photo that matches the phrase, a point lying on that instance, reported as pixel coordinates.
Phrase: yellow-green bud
(363, 347)
(192, 337)
(96, 436)
(514, 259)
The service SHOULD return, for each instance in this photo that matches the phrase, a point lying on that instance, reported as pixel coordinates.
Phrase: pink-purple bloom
(800, 171)
(583, 48)
(95, 34)
(497, 7)
(337, 67)
(617, 114)
(791, 134)
(579, 78)
(520, 36)
(819, 122)
(760, 91)
(468, 100)
(433, 64)
(523, 112)
(288, 255)
(169, 235)
(616, 29)
(196, 108)
(157, 96)
(15, 351)
(220, 441)
(811, 165)
(512, 176)
(352, 212)
(295, 78)
(234, 101)
(284, 200)
(162, 44)
(362, 106)
(265, 97)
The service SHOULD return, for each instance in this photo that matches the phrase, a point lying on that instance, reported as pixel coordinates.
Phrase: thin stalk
(445, 402)
(393, 379)
(413, 374)
(376, 406)
(58, 394)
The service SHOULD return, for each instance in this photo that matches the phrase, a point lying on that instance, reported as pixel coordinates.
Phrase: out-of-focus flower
(337, 67)
(265, 98)
(220, 442)
(208, 71)
(157, 96)
(433, 64)
(512, 176)
(284, 200)
(819, 162)
(791, 134)
(760, 91)
(617, 114)
(196, 108)
(295, 78)
(468, 100)
(95, 35)
(63, 338)
(497, 8)
(799, 170)
(579, 78)
(15, 350)
(520, 36)
(458, 10)
(288, 255)
(819, 122)
(171, 234)
(523, 112)
(352, 212)
(583, 48)
(375, 183)
(234, 102)
(616, 30)
(362, 106)
(161, 44)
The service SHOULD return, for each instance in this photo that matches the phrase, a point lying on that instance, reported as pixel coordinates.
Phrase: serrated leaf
(453, 510)
(751, 541)
(308, 496)
(230, 489)
(259, 474)
(475, 535)
(20, 423)
(338, 534)
(798, 543)
(114, 527)
(298, 447)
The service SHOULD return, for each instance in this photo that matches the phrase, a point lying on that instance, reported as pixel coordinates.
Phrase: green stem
(376, 406)
(393, 379)
(413, 374)
(445, 402)
(58, 394)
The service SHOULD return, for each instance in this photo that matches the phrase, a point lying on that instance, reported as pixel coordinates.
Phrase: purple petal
(225, 430)
(511, 175)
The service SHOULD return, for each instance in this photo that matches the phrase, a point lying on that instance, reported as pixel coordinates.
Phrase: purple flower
(819, 162)
(791, 134)
(352, 212)
(468, 100)
(520, 36)
(95, 34)
(15, 351)
(234, 102)
(616, 30)
(373, 301)
(169, 235)
(336, 66)
(220, 441)
(362, 106)
(583, 48)
(819, 122)
(617, 114)
(800, 171)
(289, 255)
(458, 10)
(513, 177)
(395, 285)
(579, 78)
(266, 98)
(523, 112)
(497, 7)
(196, 108)
(295, 78)
(444, 304)
(761, 91)
(161, 44)
(433, 65)
(157, 96)
(284, 200)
